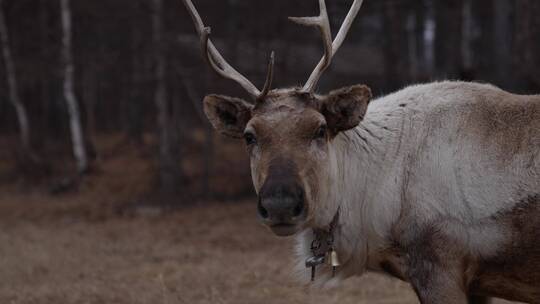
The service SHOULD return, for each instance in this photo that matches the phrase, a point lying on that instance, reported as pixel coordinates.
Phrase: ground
(217, 253)
(101, 243)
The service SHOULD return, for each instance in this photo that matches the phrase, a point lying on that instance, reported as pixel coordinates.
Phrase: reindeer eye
(250, 138)
(321, 132)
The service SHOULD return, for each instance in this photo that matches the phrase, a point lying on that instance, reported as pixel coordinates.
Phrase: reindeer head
(288, 132)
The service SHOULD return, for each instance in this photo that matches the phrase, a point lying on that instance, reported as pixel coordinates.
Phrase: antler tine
(212, 55)
(323, 24)
(335, 45)
(269, 78)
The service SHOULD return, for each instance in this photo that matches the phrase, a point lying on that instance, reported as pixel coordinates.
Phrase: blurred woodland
(84, 81)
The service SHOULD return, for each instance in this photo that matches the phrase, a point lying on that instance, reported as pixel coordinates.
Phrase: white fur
(425, 155)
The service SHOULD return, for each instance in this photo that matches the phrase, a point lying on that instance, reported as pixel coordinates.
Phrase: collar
(323, 238)
(322, 248)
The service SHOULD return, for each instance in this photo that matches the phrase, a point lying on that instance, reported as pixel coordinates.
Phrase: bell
(333, 259)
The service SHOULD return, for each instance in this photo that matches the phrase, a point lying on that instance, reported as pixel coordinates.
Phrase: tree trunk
(89, 99)
(503, 35)
(428, 41)
(169, 166)
(193, 96)
(20, 109)
(484, 46)
(420, 13)
(448, 38)
(77, 137)
(45, 81)
(526, 44)
(135, 108)
(468, 36)
(396, 50)
(414, 67)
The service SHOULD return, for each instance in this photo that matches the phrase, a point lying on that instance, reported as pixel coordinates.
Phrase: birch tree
(77, 138)
(14, 98)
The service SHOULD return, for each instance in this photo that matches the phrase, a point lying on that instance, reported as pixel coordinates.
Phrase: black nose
(281, 203)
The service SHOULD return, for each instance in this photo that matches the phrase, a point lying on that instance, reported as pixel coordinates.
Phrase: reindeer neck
(363, 160)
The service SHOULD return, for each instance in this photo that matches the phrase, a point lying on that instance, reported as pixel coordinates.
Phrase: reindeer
(437, 184)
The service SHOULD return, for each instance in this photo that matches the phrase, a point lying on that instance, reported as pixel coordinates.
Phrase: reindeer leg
(434, 262)
(434, 285)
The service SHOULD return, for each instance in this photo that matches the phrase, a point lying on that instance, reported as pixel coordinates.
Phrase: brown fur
(285, 125)
(505, 123)
(515, 272)
(433, 258)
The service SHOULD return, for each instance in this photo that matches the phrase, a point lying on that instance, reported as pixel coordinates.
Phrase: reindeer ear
(345, 108)
(228, 115)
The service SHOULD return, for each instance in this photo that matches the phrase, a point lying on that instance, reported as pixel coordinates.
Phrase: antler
(330, 48)
(219, 64)
(269, 77)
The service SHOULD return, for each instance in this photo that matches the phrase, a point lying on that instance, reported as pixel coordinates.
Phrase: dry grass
(205, 255)
(77, 248)
(215, 254)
